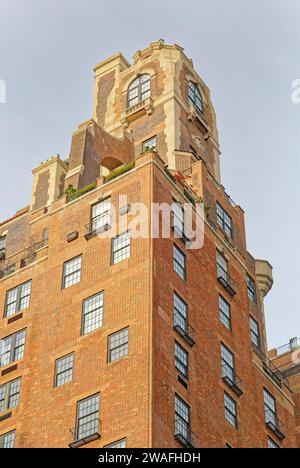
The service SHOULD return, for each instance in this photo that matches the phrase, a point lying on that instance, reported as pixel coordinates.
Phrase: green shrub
(119, 170)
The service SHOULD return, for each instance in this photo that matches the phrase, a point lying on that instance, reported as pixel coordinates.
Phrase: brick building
(112, 340)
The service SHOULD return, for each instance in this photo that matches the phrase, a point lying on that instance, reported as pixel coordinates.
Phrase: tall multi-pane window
(121, 247)
(72, 272)
(12, 348)
(10, 395)
(270, 408)
(272, 444)
(17, 299)
(180, 313)
(101, 215)
(225, 312)
(119, 444)
(255, 333)
(251, 289)
(7, 440)
(118, 345)
(182, 419)
(222, 266)
(139, 90)
(179, 262)
(230, 410)
(2, 247)
(149, 144)
(64, 370)
(181, 359)
(227, 359)
(93, 308)
(87, 423)
(178, 218)
(224, 220)
(195, 97)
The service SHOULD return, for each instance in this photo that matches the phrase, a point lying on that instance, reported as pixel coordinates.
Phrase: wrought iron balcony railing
(86, 433)
(27, 256)
(273, 371)
(98, 226)
(274, 424)
(232, 380)
(184, 329)
(184, 434)
(226, 281)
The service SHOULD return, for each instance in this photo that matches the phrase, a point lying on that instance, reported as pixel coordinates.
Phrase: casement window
(118, 445)
(270, 409)
(227, 360)
(225, 312)
(64, 370)
(181, 359)
(87, 422)
(118, 345)
(93, 309)
(72, 272)
(251, 289)
(121, 247)
(10, 395)
(224, 220)
(195, 97)
(179, 262)
(177, 218)
(272, 444)
(230, 410)
(149, 144)
(182, 419)
(12, 348)
(2, 247)
(17, 299)
(139, 90)
(180, 314)
(255, 333)
(101, 215)
(7, 440)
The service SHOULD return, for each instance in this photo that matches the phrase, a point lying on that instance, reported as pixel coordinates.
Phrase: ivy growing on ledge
(119, 171)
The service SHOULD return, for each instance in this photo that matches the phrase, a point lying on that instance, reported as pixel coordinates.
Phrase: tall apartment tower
(112, 340)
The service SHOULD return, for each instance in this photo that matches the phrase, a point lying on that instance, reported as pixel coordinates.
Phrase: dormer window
(139, 90)
(195, 97)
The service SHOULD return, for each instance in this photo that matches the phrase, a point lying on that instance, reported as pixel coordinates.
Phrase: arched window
(139, 90)
(195, 97)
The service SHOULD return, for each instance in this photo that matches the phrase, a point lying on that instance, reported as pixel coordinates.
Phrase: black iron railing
(273, 371)
(27, 256)
(225, 279)
(274, 423)
(184, 434)
(86, 433)
(184, 329)
(231, 378)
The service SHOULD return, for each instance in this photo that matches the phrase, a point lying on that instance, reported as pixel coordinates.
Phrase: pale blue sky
(247, 51)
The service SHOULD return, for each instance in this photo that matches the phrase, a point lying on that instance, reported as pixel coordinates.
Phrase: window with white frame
(225, 312)
(93, 309)
(230, 410)
(87, 423)
(251, 289)
(101, 215)
(121, 247)
(139, 90)
(17, 299)
(179, 262)
(255, 333)
(12, 348)
(195, 97)
(118, 345)
(72, 272)
(224, 220)
(7, 440)
(181, 359)
(119, 444)
(182, 419)
(10, 395)
(64, 370)
(149, 144)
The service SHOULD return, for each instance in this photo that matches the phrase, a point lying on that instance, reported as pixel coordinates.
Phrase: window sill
(136, 111)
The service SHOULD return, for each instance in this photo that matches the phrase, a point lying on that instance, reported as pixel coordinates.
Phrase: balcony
(89, 432)
(184, 330)
(132, 113)
(98, 226)
(226, 281)
(232, 380)
(270, 369)
(23, 258)
(274, 424)
(184, 434)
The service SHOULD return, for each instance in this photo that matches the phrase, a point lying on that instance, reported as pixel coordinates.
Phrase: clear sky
(247, 51)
